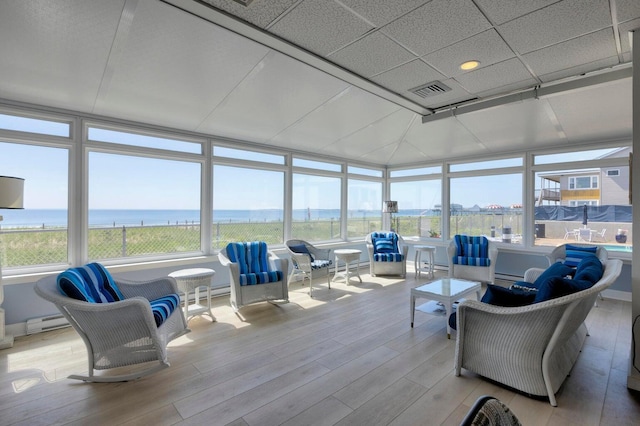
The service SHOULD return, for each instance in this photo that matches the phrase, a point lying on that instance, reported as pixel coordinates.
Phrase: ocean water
(48, 218)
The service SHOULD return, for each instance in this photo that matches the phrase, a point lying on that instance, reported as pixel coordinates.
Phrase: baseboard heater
(50, 322)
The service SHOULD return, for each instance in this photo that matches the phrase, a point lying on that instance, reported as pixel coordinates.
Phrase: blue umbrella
(585, 216)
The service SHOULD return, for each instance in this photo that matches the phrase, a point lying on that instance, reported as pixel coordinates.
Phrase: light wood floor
(346, 357)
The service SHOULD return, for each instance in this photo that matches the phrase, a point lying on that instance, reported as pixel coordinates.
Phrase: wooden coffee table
(445, 291)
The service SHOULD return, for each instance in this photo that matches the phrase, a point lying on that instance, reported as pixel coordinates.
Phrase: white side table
(191, 280)
(430, 250)
(347, 256)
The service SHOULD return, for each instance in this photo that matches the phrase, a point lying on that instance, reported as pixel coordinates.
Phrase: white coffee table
(192, 279)
(445, 291)
(347, 256)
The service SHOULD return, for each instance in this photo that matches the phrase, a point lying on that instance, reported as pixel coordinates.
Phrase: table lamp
(11, 194)
(390, 207)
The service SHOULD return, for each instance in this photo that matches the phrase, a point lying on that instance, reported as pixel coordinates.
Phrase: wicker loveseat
(530, 348)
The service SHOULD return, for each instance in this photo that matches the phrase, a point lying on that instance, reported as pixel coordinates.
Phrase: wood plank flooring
(346, 357)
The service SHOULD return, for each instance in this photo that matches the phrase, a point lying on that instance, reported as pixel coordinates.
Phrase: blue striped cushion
(574, 254)
(385, 242)
(89, 283)
(163, 308)
(470, 250)
(252, 258)
(260, 278)
(388, 257)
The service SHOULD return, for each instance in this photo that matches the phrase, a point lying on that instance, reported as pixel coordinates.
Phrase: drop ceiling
(334, 76)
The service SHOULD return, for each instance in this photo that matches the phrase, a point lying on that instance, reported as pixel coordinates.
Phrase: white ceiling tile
(607, 106)
(259, 13)
(501, 11)
(405, 153)
(172, 62)
(627, 10)
(381, 12)
(55, 53)
(344, 114)
(487, 47)
(408, 76)
(277, 93)
(437, 24)
(505, 73)
(320, 26)
(588, 48)
(580, 69)
(371, 55)
(556, 23)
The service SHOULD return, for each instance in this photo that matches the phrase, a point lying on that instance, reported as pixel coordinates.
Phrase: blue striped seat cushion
(163, 307)
(472, 251)
(253, 262)
(89, 283)
(388, 257)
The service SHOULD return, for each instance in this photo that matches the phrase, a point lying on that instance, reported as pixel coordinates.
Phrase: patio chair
(570, 233)
(472, 258)
(122, 323)
(387, 254)
(307, 258)
(600, 235)
(256, 274)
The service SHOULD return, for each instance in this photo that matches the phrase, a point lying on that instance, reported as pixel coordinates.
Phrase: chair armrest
(150, 290)
(278, 264)
(224, 260)
(321, 254)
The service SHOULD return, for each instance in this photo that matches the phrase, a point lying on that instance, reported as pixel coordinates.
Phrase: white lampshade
(11, 192)
(390, 207)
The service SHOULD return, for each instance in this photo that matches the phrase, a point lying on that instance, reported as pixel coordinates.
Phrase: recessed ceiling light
(469, 65)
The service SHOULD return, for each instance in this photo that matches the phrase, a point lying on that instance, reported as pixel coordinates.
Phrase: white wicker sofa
(530, 348)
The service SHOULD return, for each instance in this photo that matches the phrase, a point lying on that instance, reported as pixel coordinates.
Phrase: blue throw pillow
(556, 270)
(590, 269)
(501, 296)
(301, 248)
(557, 287)
(384, 245)
(574, 254)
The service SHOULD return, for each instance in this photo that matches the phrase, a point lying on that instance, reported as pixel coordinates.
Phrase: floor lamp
(11, 194)
(390, 207)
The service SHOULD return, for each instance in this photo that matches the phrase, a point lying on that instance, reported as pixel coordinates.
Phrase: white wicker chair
(303, 265)
(242, 295)
(474, 273)
(123, 333)
(530, 348)
(559, 253)
(387, 268)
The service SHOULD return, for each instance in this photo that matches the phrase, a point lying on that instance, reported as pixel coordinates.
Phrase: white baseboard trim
(625, 296)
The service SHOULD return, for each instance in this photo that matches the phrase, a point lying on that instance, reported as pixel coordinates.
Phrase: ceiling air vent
(430, 89)
(244, 2)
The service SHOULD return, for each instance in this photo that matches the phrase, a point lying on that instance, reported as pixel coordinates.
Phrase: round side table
(189, 280)
(347, 256)
(430, 250)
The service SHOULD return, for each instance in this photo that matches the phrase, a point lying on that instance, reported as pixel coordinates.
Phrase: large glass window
(36, 235)
(364, 207)
(316, 207)
(142, 206)
(419, 212)
(147, 141)
(247, 205)
(487, 205)
(587, 204)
